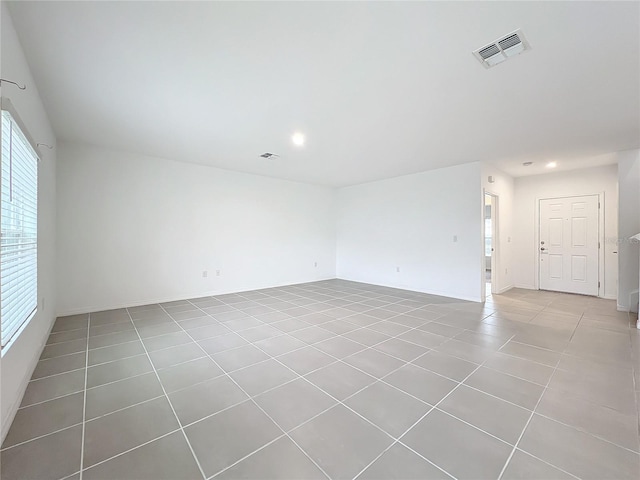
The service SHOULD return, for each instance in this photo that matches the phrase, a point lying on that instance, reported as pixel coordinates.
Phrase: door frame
(601, 209)
(495, 234)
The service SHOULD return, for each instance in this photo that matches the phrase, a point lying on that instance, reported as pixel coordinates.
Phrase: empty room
(320, 240)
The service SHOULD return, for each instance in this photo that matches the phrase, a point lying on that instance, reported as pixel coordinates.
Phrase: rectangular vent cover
(503, 48)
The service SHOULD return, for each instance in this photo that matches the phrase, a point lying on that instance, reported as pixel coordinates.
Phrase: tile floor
(335, 379)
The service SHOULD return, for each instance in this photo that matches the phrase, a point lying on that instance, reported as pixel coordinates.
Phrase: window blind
(18, 229)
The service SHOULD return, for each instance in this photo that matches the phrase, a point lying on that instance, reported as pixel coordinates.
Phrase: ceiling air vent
(503, 48)
(269, 155)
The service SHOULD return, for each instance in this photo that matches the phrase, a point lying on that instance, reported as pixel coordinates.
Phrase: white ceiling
(379, 89)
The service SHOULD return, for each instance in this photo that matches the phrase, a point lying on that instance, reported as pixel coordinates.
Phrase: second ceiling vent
(503, 48)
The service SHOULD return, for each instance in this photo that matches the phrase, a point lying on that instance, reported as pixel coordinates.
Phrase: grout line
(39, 437)
(124, 408)
(256, 404)
(453, 310)
(355, 393)
(506, 464)
(84, 401)
(134, 448)
(249, 454)
(168, 400)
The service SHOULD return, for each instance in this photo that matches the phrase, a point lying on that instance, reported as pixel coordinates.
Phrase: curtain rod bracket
(21, 87)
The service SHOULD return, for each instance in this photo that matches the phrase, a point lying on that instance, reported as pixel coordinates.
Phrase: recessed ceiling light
(552, 165)
(527, 164)
(298, 139)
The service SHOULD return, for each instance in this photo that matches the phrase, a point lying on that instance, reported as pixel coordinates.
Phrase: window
(18, 229)
(487, 237)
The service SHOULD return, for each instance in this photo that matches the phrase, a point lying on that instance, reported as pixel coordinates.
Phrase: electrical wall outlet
(455, 238)
(315, 264)
(205, 274)
(398, 269)
(217, 273)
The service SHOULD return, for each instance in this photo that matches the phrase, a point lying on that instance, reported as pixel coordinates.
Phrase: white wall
(629, 220)
(135, 230)
(19, 359)
(409, 223)
(528, 190)
(503, 188)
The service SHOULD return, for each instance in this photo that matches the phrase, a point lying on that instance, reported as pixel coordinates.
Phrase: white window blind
(18, 229)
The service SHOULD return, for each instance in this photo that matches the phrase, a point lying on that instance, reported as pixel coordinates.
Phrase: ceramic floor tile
(339, 347)
(118, 370)
(306, 360)
(341, 442)
(53, 387)
(167, 458)
(67, 336)
(293, 403)
(340, 380)
(279, 345)
(445, 441)
(222, 343)
(241, 357)
(246, 429)
(400, 463)
(512, 389)
(446, 365)
(188, 373)
(153, 344)
(604, 422)
(115, 352)
(59, 349)
(263, 376)
(400, 349)
(158, 330)
(72, 322)
(175, 355)
(120, 431)
(52, 457)
(578, 453)
(54, 366)
(45, 418)
(374, 363)
(592, 393)
(268, 464)
(388, 408)
(523, 466)
(200, 400)
(123, 393)
(113, 339)
(366, 336)
(494, 416)
(421, 383)
(519, 367)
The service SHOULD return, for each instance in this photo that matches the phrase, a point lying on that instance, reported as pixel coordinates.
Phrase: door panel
(569, 250)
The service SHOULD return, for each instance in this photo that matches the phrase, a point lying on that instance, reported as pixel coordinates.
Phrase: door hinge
(598, 244)
(598, 284)
(598, 204)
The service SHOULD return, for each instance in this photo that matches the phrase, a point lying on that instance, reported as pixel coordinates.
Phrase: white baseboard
(504, 290)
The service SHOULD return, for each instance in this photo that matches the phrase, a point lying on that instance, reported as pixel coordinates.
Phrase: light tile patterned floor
(335, 379)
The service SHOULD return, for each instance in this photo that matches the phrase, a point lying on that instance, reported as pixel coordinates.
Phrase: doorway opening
(490, 229)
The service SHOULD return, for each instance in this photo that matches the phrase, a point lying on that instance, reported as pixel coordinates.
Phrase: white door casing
(568, 244)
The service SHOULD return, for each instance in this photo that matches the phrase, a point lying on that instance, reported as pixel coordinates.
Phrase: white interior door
(569, 244)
